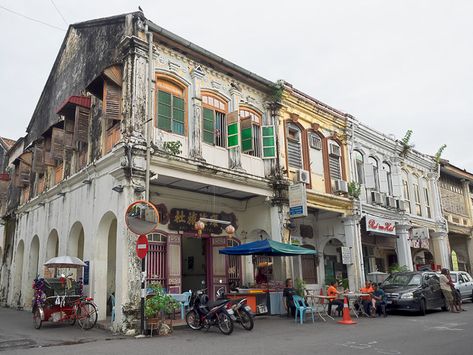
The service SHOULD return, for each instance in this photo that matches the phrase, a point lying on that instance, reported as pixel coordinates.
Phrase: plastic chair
(185, 303)
(301, 309)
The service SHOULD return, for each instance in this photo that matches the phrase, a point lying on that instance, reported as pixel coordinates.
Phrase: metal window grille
(220, 129)
(234, 265)
(156, 259)
(294, 156)
(334, 166)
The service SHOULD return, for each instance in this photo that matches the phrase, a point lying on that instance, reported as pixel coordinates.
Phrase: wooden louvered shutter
(38, 157)
(269, 142)
(232, 130)
(246, 128)
(112, 100)
(164, 111)
(81, 125)
(24, 171)
(178, 115)
(57, 143)
(208, 126)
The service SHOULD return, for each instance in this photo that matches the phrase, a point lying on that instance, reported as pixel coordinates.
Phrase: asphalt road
(439, 333)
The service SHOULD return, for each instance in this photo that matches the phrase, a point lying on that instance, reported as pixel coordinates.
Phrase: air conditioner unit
(391, 202)
(402, 205)
(341, 187)
(376, 198)
(335, 150)
(302, 176)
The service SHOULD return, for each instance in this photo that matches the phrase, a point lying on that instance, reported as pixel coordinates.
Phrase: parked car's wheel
(422, 307)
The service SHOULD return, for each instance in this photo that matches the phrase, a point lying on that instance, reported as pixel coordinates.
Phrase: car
(416, 291)
(463, 283)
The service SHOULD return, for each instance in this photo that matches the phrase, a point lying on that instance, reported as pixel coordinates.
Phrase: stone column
(352, 235)
(437, 213)
(403, 247)
(441, 248)
(234, 154)
(195, 123)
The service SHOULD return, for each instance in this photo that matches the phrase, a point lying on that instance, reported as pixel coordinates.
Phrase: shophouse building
(116, 82)
(456, 189)
(313, 150)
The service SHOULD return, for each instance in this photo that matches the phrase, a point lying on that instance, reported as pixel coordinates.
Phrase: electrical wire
(59, 12)
(32, 19)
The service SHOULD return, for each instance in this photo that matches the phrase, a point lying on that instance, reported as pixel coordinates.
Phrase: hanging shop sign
(297, 200)
(420, 233)
(346, 255)
(379, 225)
(184, 220)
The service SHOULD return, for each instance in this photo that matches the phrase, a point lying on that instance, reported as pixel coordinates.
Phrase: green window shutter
(246, 135)
(177, 115)
(269, 142)
(208, 126)
(164, 110)
(232, 130)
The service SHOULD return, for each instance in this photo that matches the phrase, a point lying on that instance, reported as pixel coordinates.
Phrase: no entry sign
(142, 246)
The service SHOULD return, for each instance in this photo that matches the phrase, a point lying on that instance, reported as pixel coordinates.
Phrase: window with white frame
(214, 122)
(334, 160)
(405, 191)
(428, 209)
(417, 196)
(316, 156)
(374, 165)
(359, 162)
(250, 127)
(294, 152)
(387, 171)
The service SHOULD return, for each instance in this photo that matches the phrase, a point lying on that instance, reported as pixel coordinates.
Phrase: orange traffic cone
(346, 313)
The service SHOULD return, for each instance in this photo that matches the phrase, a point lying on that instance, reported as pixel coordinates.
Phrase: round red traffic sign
(142, 246)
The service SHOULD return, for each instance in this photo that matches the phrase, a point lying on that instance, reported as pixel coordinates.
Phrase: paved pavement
(437, 333)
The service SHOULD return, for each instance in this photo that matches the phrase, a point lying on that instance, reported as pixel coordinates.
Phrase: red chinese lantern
(199, 227)
(230, 230)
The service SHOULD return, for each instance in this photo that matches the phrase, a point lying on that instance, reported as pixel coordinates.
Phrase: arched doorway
(105, 262)
(75, 242)
(17, 297)
(334, 268)
(52, 246)
(33, 267)
(309, 265)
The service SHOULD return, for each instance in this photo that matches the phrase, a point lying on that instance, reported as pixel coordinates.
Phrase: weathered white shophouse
(213, 153)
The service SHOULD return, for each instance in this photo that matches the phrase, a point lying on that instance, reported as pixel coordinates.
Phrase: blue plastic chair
(301, 309)
(185, 303)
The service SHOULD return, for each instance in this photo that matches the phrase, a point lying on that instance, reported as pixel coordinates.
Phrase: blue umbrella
(268, 248)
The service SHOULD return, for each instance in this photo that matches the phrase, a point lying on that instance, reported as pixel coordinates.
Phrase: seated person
(378, 300)
(332, 293)
(261, 278)
(366, 300)
(288, 292)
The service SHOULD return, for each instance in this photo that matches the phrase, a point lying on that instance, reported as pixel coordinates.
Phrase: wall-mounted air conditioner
(340, 187)
(402, 205)
(391, 202)
(302, 176)
(335, 150)
(377, 198)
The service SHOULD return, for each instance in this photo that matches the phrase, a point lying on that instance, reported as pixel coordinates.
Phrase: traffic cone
(346, 313)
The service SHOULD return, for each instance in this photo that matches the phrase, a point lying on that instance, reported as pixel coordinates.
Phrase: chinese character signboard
(181, 219)
(346, 256)
(379, 225)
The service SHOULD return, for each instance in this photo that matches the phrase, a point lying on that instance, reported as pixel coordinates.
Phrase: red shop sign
(380, 225)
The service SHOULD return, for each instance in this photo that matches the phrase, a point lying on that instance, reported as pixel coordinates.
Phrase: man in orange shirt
(366, 300)
(332, 293)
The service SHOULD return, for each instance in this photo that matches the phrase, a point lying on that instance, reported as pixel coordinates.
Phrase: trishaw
(60, 298)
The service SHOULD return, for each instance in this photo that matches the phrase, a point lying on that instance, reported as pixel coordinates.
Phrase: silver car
(463, 283)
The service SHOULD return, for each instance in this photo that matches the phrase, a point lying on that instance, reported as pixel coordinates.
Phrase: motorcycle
(241, 310)
(204, 313)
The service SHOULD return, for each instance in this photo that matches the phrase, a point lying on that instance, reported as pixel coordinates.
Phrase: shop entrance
(334, 268)
(194, 263)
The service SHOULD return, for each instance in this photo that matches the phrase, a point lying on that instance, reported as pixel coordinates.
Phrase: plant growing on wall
(300, 287)
(354, 189)
(278, 90)
(439, 153)
(406, 147)
(172, 147)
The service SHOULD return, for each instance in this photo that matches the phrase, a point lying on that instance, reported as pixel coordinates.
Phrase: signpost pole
(143, 294)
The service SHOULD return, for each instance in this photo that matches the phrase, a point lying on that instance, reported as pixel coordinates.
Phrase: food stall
(267, 299)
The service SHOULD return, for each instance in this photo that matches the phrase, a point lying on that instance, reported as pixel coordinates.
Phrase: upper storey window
(214, 122)
(250, 125)
(389, 181)
(334, 160)
(171, 107)
(359, 162)
(375, 169)
(294, 152)
(405, 190)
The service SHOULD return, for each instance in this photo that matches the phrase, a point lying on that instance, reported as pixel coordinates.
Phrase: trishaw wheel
(87, 315)
(37, 322)
(71, 320)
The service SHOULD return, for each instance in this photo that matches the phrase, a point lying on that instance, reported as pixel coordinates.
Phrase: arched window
(374, 165)
(387, 170)
(359, 162)
(171, 106)
(417, 196)
(315, 153)
(405, 191)
(156, 258)
(428, 209)
(214, 123)
(334, 160)
(294, 145)
(250, 126)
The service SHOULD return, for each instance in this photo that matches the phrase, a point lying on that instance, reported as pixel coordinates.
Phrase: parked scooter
(242, 311)
(204, 313)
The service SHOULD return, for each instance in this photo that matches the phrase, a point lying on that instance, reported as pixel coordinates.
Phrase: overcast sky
(395, 65)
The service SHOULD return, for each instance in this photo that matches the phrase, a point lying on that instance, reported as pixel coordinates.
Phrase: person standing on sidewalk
(447, 290)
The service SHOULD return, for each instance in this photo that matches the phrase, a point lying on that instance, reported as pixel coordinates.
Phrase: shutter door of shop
(219, 267)
(174, 263)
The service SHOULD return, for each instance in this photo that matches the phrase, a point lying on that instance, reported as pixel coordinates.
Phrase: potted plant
(300, 287)
(159, 304)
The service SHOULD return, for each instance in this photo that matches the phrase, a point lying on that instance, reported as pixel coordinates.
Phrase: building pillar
(234, 154)
(280, 263)
(352, 240)
(441, 248)
(403, 247)
(195, 123)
